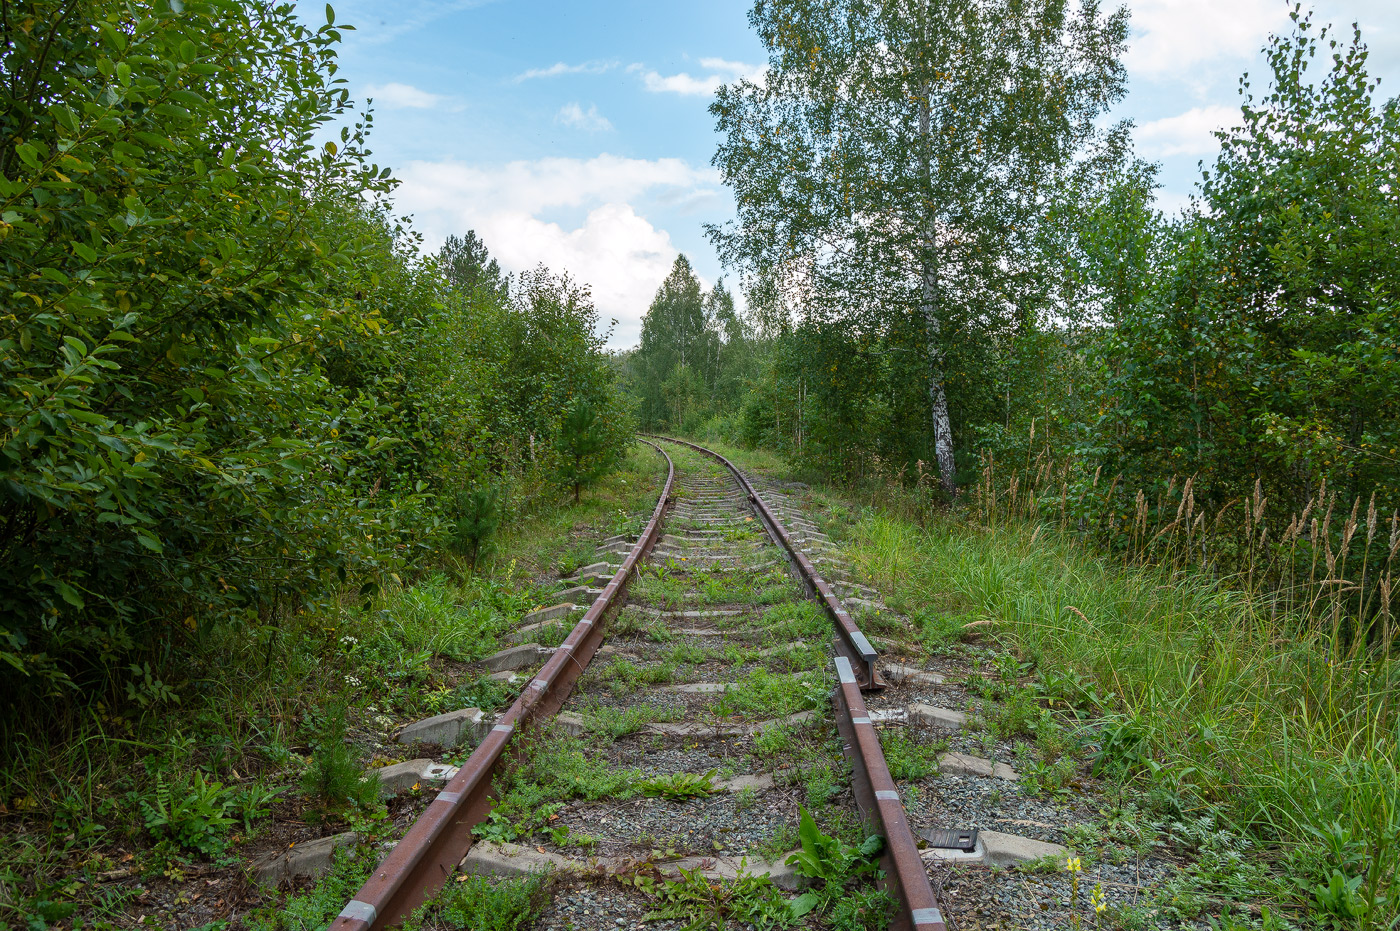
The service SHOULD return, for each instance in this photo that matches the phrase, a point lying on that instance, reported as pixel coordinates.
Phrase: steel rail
(876, 796)
(850, 641)
(420, 864)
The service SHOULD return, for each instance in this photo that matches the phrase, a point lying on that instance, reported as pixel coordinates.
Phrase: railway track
(728, 701)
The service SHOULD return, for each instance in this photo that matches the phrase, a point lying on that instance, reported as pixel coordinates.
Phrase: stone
(506, 677)
(447, 730)
(699, 688)
(400, 777)
(897, 674)
(760, 783)
(553, 612)
(615, 549)
(1010, 849)
(931, 716)
(691, 615)
(527, 654)
(529, 632)
(597, 569)
(569, 723)
(580, 594)
(963, 764)
(729, 868)
(667, 729)
(888, 716)
(487, 858)
(620, 538)
(311, 859)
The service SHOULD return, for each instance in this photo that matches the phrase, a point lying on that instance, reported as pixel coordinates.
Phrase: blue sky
(577, 135)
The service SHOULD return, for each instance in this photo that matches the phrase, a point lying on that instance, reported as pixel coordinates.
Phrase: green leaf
(872, 846)
(330, 15)
(804, 903)
(28, 154)
(69, 593)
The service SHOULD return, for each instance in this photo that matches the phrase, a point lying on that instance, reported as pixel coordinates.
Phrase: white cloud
(1170, 36)
(571, 114)
(514, 207)
(1186, 133)
(720, 72)
(403, 96)
(561, 68)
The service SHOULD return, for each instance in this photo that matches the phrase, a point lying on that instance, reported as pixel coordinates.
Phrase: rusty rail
(879, 803)
(850, 641)
(876, 796)
(420, 864)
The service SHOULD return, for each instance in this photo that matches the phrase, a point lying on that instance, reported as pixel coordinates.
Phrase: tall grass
(1222, 698)
(1333, 560)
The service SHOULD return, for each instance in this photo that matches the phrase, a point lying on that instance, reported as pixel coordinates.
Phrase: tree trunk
(933, 327)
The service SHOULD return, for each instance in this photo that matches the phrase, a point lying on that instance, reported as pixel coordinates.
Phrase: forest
(252, 422)
(965, 308)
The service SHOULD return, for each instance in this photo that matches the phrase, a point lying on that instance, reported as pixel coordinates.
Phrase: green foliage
(906, 758)
(678, 787)
(478, 515)
(467, 265)
(158, 274)
(588, 445)
(232, 385)
(479, 902)
(891, 176)
(334, 781)
(195, 816)
(1199, 678)
(694, 355)
(318, 907)
(708, 904)
(833, 864)
(1264, 346)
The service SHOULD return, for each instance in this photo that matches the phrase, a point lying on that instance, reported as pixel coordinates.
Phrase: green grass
(761, 694)
(1215, 707)
(243, 713)
(484, 904)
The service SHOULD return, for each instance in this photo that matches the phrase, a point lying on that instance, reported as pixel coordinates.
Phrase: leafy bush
(195, 816)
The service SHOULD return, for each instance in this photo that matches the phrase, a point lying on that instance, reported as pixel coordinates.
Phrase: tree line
(953, 267)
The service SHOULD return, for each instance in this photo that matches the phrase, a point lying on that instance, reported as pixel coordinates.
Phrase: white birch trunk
(938, 399)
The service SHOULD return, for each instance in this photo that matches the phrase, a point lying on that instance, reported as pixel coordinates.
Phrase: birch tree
(899, 157)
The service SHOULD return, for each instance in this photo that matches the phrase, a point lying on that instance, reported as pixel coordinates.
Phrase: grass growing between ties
(263, 741)
(1197, 695)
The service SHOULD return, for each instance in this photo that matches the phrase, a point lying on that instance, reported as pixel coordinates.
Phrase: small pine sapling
(586, 448)
(478, 517)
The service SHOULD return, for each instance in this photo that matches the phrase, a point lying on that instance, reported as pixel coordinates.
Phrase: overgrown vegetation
(1184, 680)
(233, 386)
(260, 449)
